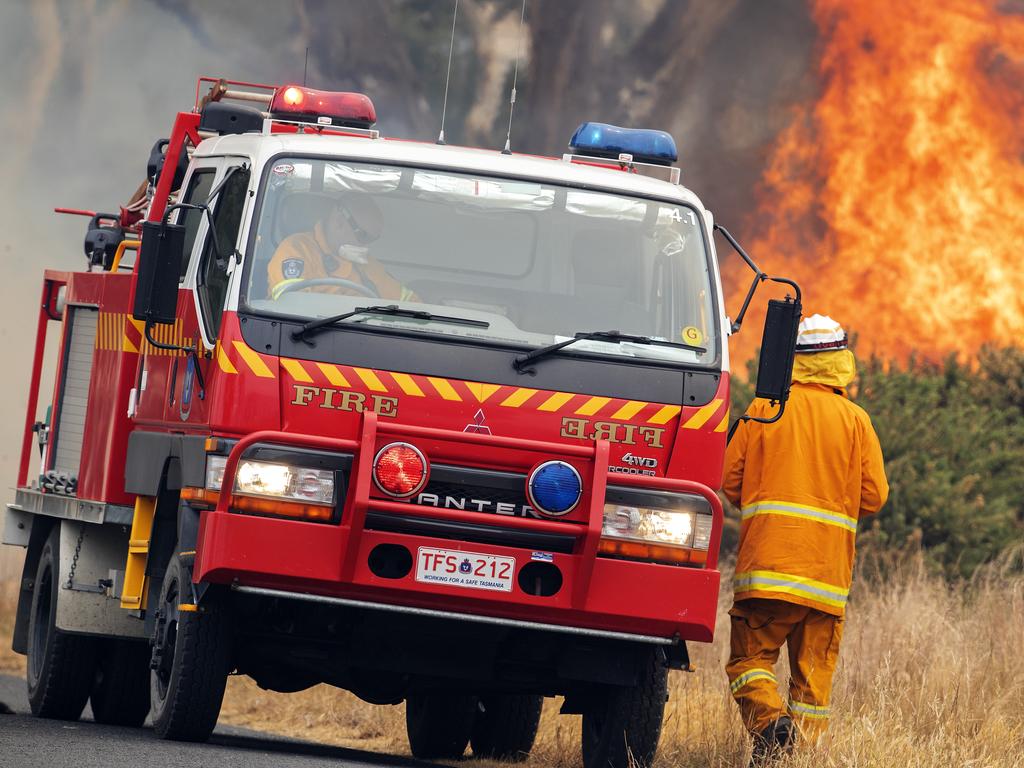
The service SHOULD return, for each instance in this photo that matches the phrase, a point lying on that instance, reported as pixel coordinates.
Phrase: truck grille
(457, 531)
(493, 494)
(476, 490)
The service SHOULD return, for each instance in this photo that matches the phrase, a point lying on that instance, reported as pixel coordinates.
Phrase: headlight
(644, 524)
(275, 481)
(664, 524)
(261, 478)
(256, 478)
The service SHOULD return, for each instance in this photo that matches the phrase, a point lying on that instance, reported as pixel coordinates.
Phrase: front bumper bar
(316, 561)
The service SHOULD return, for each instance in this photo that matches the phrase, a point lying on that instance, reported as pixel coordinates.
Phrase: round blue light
(555, 488)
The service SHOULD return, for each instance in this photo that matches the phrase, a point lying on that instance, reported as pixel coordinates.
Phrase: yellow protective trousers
(759, 628)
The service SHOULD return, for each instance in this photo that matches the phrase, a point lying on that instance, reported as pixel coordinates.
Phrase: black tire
(439, 724)
(622, 725)
(506, 726)
(61, 667)
(191, 657)
(120, 693)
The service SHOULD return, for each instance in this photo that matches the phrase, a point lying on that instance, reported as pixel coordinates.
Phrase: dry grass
(930, 675)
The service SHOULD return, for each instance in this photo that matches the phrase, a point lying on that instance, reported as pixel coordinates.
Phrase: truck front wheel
(622, 725)
(61, 667)
(506, 726)
(439, 724)
(191, 660)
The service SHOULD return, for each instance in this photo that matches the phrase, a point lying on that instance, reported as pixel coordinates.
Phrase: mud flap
(89, 553)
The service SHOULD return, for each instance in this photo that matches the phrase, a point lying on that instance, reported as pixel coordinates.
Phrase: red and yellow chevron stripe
(120, 332)
(238, 358)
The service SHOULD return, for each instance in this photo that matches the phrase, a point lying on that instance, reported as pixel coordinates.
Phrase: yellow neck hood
(833, 369)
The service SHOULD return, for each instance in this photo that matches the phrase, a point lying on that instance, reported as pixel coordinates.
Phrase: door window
(198, 190)
(212, 277)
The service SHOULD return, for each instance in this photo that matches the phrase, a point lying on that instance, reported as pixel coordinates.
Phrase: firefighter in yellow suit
(801, 484)
(338, 247)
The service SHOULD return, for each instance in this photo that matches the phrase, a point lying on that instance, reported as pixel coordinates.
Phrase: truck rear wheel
(622, 725)
(191, 661)
(61, 667)
(506, 726)
(120, 693)
(439, 724)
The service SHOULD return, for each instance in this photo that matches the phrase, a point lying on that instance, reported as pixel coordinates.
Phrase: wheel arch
(158, 460)
(160, 464)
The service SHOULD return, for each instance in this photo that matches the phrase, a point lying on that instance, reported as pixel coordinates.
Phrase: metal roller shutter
(74, 401)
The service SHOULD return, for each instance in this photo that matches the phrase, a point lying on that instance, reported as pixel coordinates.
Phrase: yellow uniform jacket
(802, 484)
(304, 256)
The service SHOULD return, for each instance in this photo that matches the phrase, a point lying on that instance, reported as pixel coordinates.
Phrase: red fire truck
(431, 424)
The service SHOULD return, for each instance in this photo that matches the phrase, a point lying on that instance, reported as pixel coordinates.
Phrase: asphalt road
(29, 742)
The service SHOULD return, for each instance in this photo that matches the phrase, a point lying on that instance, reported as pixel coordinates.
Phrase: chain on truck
(436, 425)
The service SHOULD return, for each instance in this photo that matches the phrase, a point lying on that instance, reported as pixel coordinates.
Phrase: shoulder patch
(292, 268)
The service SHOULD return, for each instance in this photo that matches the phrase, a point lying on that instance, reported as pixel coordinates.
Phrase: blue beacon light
(644, 144)
(554, 488)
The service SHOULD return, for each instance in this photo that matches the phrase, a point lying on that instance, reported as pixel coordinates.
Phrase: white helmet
(820, 333)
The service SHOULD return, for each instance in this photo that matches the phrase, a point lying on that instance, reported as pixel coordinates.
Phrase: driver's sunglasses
(364, 237)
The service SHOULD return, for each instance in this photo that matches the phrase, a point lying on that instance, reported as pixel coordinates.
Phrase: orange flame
(897, 199)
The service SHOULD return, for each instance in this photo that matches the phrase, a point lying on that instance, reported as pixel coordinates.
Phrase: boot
(773, 743)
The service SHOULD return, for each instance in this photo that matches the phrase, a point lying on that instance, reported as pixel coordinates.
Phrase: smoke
(86, 87)
(43, 69)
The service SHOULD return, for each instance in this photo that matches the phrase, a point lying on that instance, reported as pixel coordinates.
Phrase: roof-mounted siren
(628, 147)
(298, 104)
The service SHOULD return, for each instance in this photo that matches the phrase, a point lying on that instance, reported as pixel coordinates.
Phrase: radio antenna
(515, 78)
(305, 67)
(448, 75)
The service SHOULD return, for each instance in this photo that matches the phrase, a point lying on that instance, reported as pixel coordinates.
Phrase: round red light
(292, 95)
(400, 470)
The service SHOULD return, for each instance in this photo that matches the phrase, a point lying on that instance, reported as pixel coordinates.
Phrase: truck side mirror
(775, 368)
(156, 287)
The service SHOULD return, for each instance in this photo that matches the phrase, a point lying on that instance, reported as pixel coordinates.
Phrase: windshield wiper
(520, 363)
(383, 309)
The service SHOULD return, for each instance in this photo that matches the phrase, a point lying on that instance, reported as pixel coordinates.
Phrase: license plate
(465, 569)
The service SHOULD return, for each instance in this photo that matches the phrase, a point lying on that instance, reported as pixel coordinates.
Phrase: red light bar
(354, 110)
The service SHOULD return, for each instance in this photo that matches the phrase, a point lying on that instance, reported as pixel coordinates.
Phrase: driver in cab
(336, 252)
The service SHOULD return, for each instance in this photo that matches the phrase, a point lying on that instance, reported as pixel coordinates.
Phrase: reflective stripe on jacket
(802, 484)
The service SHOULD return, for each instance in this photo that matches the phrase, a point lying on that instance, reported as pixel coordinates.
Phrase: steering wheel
(339, 282)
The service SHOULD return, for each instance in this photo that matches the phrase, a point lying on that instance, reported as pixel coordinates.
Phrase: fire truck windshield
(532, 262)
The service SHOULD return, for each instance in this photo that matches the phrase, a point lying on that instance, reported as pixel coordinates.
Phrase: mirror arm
(758, 419)
(738, 248)
(192, 352)
(791, 283)
(738, 322)
(759, 277)
(205, 209)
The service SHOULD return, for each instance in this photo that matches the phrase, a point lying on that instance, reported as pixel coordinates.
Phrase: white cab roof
(260, 148)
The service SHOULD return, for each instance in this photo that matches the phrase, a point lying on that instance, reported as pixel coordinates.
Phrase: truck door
(157, 366)
(214, 256)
